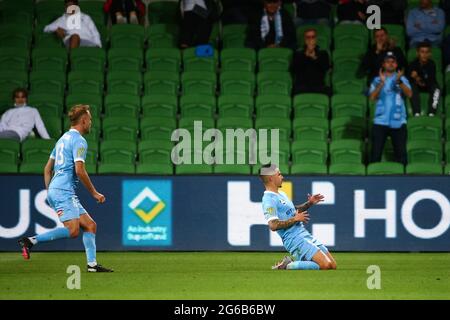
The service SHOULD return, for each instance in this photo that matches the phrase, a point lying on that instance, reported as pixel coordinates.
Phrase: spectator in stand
(422, 74)
(18, 123)
(238, 11)
(313, 11)
(198, 17)
(272, 27)
(388, 90)
(310, 66)
(392, 11)
(352, 11)
(84, 35)
(123, 11)
(373, 59)
(425, 23)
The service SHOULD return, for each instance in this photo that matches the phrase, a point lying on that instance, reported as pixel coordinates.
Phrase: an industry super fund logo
(147, 213)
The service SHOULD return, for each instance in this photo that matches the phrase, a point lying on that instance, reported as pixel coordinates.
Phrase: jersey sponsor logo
(80, 152)
(270, 211)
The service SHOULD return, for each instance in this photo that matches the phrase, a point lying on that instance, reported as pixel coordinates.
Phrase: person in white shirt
(17, 123)
(75, 31)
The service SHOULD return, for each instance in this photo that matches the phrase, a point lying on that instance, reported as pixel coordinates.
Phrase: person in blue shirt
(425, 23)
(288, 221)
(62, 173)
(388, 90)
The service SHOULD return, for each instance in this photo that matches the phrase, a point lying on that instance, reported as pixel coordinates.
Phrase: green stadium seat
(120, 128)
(347, 169)
(310, 129)
(53, 125)
(348, 128)
(154, 169)
(234, 35)
(192, 62)
(274, 82)
(49, 59)
(117, 152)
(424, 128)
(235, 106)
(190, 169)
(48, 82)
(163, 59)
(311, 105)
(14, 59)
(424, 151)
(162, 36)
(277, 106)
(237, 83)
(274, 59)
(188, 123)
(238, 59)
(447, 151)
(163, 12)
(308, 152)
(127, 36)
(159, 105)
(9, 152)
(117, 105)
(342, 62)
(46, 40)
(32, 167)
(447, 169)
(348, 105)
(345, 83)
(351, 36)
(232, 169)
(8, 168)
(199, 82)
(49, 10)
(385, 168)
(84, 82)
(234, 123)
(13, 12)
(95, 102)
(87, 59)
(37, 151)
(347, 151)
(193, 105)
(155, 151)
(323, 35)
(15, 35)
(161, 82)
(284, 125)
(48, 104)
(157, 128)
(125, 59)
(124, 82)
(95, 10)
(424, 97)
(309, 169)
(115, 168)
(10, 80)
(424, 169)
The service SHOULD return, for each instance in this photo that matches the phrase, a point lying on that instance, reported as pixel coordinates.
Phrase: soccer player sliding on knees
(287, 219)
(61, 174)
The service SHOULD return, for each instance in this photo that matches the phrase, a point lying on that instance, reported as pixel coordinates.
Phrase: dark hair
(20, 90)
(382, 28)
(424, 44)
(76, 112)
(75, 2)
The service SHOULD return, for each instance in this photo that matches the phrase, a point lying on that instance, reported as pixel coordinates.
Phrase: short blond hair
(76, 112)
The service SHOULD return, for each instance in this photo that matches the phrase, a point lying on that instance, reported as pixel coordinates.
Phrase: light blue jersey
(71, 147)
(296, 239)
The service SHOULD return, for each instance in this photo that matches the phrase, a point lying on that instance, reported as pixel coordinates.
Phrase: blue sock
(303, 265)
(55, 234)
(89, 245)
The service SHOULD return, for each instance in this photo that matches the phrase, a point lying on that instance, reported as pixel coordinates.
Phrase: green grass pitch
(223, 276)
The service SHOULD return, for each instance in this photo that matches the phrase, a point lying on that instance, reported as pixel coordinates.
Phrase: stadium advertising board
(224, 213)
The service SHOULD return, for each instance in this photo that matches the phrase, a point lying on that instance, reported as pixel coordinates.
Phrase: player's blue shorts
(308, 248)
(66, 204)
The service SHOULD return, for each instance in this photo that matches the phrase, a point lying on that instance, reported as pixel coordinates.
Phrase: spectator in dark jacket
(123, 11)
(352, 11)
(271, 28)
(313, 11)
(311, 66)
(392, 11)
(422, 74)
(373, 59)
(238, 11)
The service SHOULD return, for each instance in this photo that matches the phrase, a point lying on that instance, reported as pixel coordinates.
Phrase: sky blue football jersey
(71, 147)
(278, 206)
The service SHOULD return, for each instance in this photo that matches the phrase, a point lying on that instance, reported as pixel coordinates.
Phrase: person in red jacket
(123, 11)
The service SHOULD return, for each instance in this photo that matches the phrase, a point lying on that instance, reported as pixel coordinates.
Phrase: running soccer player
(61, 174)
(287, 219)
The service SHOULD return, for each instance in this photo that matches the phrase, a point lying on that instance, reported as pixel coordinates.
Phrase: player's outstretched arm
(312, 200)
(300, 216)
(48, 172)
(86, 181)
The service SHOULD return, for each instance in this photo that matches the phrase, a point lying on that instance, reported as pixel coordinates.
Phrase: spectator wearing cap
(425, 23)
(123, 11)
(74, 35)
(310, 66)
(271, 27)
(373, 59)
(422, 74)
(387, 90)
(17, 123)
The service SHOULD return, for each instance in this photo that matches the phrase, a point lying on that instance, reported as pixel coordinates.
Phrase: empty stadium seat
(310, 129)
(122, 105)
(157, 128)
(94, 101)
(385, 168)
(199, 82)
(193, 62)
(48, 104)
(424, 151)
(347, 169)
(127, 36)
(154, 168)
(193, 105)
(9, 153)
(311, 105)
(49, 59)
(86, 82)
(232, 169)
(120, 128)
(161, 82)
(124, 82)
(48, 82)
(309, 169)
(274, 82)
(424, 169)
(346, 151)
(237, 83)
(125, 59)
(87, 59)
(159, 105)
(277, 106)
(343, 105)
(348, 128)
(238, 59)
(424, 128)
(308, 152)
(163, 59)
(14, 59)
(274, 59)
(235, 106)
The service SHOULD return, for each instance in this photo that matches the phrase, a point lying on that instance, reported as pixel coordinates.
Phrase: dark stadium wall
(224, 213)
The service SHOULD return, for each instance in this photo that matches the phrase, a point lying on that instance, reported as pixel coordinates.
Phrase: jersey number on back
(59, 154)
